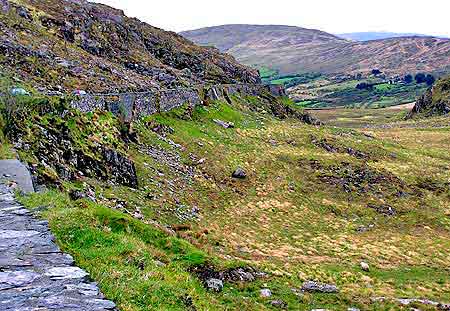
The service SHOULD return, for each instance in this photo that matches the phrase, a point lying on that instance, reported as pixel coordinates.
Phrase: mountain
(376, 35)
(297, 50)
(70, 44)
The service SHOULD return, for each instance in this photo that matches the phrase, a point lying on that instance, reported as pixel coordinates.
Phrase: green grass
(345, 94)
(284, 219)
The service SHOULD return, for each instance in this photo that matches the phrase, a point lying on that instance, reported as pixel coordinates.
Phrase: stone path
(34, 274)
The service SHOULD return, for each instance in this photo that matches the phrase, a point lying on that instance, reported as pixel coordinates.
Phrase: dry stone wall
(136, 105)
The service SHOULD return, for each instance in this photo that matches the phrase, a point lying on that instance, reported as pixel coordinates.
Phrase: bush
(420, 78)
(408, 79)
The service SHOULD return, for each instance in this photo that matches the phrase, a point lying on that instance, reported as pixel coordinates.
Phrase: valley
(323, 70)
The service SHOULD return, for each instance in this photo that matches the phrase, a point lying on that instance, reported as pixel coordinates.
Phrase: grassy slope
(291, 217)
(345, 94)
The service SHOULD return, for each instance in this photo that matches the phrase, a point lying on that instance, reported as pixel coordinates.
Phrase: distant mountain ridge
(291, 49)
(377, 35)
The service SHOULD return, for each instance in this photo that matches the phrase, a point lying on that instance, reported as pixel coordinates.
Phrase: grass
(345, 94)
(291, 217)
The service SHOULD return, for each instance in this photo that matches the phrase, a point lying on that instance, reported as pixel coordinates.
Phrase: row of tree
(420, 78)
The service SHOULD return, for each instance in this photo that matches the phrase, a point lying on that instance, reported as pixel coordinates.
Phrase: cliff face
(435, 101)
(74, 44)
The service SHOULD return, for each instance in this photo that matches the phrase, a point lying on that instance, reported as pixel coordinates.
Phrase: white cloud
(418, 16)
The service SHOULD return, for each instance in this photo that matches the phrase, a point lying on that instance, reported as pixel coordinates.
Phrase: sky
(429, 17)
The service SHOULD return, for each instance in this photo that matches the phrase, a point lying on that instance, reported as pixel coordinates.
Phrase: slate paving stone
(34, 274)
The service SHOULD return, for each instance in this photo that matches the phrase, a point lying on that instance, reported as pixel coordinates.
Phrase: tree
(376, 72)
(364, 86)
(429, 79)
(420, 78)
(408, 79)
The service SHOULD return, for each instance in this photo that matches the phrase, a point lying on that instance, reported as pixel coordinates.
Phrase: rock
(384, 209)
(224, 124)
(23, 12)
(265, 292)
(4, 6)
(159, 263)
(239, 173)
(77, 195)
(353, 309)
(311, 286)
(18, 91)
(364, 266)
(279, 304)
(63, 273)
(214, 284)
(16, 279)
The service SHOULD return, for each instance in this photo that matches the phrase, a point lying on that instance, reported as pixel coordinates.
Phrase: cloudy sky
(335, 16)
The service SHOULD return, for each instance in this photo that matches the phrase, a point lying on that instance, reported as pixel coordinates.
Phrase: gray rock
(239, 173)
(16, 278)
(214, 284)
(19, 173)
(311, 286)
(61, 273)
(265, 292)
(365, 266)
(13, 234)
(279, 304)
(224, 124)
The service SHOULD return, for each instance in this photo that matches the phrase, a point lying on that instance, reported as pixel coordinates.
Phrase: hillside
(66, 45)
(293, 50)
(435, 101)
(226, 206)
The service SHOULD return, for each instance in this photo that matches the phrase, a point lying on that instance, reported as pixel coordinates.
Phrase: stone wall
(135, 105)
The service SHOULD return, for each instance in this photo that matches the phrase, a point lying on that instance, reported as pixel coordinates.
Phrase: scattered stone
(214, 284)
(239, 173)
(76, 195)
(265, 292)
(408, 301)
(364, 266)
(224, 124)
(311, 286)
(384, 209)
(159, 263)
(279, 304)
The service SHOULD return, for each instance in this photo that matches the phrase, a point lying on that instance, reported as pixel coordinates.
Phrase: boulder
(214, 284)
(265, 292)
(279, 304)
(364, 266)
(312, 286)
(224, 124)
(239, 173)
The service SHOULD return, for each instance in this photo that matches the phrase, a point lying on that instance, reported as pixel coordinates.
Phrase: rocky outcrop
(435, 101)
(94, 47)
(63, 145)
